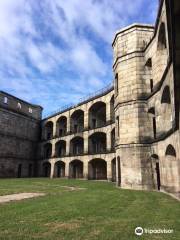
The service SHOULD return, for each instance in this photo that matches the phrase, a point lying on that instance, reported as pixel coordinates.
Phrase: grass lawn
(98, 211)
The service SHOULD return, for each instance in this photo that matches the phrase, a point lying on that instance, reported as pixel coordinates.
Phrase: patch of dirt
(73, 188)
(55, 226)
(19, 196)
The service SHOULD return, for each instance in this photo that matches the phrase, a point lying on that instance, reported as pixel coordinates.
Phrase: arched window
(166, 97)
(60, 148)
(77, 146)
(170, 150)
(97, 115)
(97, 143)
(162, 37)
(61, 126)
(48, 130)
(77, 121)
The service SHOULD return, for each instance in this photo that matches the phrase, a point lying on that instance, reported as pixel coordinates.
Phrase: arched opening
(156, 171)
(113, 169)
(97, 169)
(118, 171)
(171, 169)
(97, 143)
(113, 139)
(77, 146)
(97, 115)
(48, 130)
(162, 37)
(59, 169)
(47, 150)
(30, 170)
(148, 72)
(60, 148)
(161, 54)
(166, 112)
(46, 169)
(112, 112)
(61, 126)
(77, 121)
(76, 169)
(166, 96)
(170, 150)
(116, 84)
(152, 112)
(19, 171)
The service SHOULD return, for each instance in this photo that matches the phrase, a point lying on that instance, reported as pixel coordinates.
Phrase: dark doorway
(113, 169)
(19, 172)
(59, 169)
(46, 169)
(119, 171)
(30, 170)
(158, 176)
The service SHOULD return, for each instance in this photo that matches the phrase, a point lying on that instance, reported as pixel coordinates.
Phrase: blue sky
(53, 52)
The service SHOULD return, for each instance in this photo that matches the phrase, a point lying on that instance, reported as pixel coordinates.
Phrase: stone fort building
(128, 133)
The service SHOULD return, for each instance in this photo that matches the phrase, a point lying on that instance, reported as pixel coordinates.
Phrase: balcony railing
(79, 132)
(81, 101)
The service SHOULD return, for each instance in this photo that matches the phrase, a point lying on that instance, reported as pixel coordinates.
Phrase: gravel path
(19, 196)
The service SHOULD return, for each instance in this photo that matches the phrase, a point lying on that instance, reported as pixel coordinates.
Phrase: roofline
(139, 25)
(34, 105)
(134, 25)
(79, 104)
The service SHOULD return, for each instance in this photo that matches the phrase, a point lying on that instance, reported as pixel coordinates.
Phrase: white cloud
(51, 49)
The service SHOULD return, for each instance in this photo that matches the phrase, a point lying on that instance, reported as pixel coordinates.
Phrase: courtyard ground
(84, 210)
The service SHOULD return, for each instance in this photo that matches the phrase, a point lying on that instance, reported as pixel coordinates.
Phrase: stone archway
(76, 169)
(171, 169)
(59, 169)
(97, 169)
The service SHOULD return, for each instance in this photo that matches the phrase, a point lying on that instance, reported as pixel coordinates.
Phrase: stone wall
(19, 133)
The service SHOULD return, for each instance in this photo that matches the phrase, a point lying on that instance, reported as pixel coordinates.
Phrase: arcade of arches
(97, 169)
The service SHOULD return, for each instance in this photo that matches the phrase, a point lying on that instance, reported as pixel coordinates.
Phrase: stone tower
(133, 125)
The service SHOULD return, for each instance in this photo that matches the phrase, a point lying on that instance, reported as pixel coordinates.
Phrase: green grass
(100, 211)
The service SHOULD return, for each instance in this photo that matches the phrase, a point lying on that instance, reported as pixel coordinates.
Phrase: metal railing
(81, 100)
